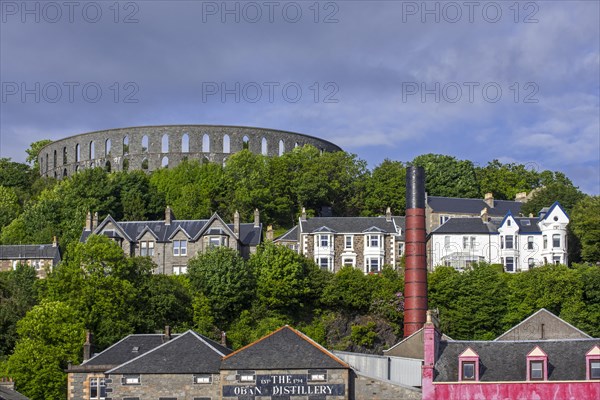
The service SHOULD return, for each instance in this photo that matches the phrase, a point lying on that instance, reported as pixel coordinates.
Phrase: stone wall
(143, 148)
(155, 386)
(374, 389)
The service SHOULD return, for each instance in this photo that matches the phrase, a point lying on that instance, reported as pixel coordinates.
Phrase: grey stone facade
(375, 389)
(156, 386)
(152, 147)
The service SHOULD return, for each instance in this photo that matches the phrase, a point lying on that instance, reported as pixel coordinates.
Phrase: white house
(518, 243)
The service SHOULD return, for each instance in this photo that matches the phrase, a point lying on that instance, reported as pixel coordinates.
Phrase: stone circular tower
(151, 147)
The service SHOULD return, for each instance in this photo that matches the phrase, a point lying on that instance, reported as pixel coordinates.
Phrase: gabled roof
(188, 353)
(502, 361)
(208, 224)
(286, 348)
(468, 225)
(353, 224)
(411, 346)
(30, 252)
(9, 394)
(324, 229)
(132, 230)
(126, 349)
(531, 328)
(291, 235)
(548, 211)
(472, 206)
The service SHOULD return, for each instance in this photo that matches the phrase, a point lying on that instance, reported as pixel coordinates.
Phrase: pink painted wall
(516, 391)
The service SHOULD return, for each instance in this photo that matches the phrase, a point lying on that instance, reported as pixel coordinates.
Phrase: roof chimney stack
(223, 339)
(167, 335)
(88, 346)
(521, 197)
(303, 215)
(388, 214)
(54, 241)
(95, 221)
(485, 217)
(168, 215)
(88, 221)
(270, 232)
(256, 218)
(236, 223)
(489, 199)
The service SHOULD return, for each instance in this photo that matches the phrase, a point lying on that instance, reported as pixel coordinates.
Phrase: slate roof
(544, 316)
(291, 235)
(468, 225)
(353, 224)
(472, 206)
(126, 349)
(286, 348)
(9, 394)
(188, 353)
(503, 361)
(30, 252)
(132, 230)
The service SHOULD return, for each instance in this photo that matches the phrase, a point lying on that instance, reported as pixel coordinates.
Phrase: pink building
(543, 368)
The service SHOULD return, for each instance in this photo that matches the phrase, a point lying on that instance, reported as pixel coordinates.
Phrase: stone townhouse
(518, 243)
(366, 243)
(43, 257)
(171, 243)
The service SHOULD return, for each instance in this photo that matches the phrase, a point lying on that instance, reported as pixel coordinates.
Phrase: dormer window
(468, 366)
(508, 222)
(537, 365)
(593, 363)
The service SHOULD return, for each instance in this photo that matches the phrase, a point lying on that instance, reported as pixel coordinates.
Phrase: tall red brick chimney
(415, 275)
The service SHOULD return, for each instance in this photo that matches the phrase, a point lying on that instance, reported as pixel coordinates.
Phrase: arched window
(165, 162)
(205, 143)
(145, 164)
(77, 152)
(64, 155)
(264, 147)
(126, 145)
(165, 143)
(55, 159)
(185, 143)
(145, 144)
(92, 150)
(281, 147)
(125, 164)
(107, 146)
(246, 143)
(226, 144)
(65, 173)
(107, 166)
(46, 162)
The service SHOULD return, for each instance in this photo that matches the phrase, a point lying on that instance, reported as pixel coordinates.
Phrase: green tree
(18, 294)
(386, 187)
(447, 176)
(286, 281)
(50, 335)
(33, 151)
(222, 275)
(9, 206)
(585, 224)
(349, 290)
(506, 180)
(566, 194)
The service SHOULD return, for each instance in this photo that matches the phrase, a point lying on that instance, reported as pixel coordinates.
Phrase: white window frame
(512, 242)
(556, 237)
(324, 239)
(147, 248)
(374, 238)
(530, 243)
(369, 261)
(179, 248)
(131, 380)
(203, 379)
(351, 264)
(512, 263)
(179, 269)
(97, 384)
(327, 266)
(348, 246)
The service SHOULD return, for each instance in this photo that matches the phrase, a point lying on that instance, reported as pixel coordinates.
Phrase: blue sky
(514, 81)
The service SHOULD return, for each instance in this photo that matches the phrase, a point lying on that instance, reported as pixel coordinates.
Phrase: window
(324, 240)
(400, 249)
(509, 241)
(529, 242)
(556, 260)
(179, 269)
(207, 378)
(472, 242)
(216, 241)
(545, 239)
(97, 388)
(508, 222)
(468, 370)
(556, 240)
(130, 380)
(348, 242)
(146, 249)
(536, 370)
(317, 376)
(373, 264)
(594, 369)
(510, 264)
(444, 218)
(180, 247)
(324, 263)
(531, 262)
(373, 241)
(348, 262)
(465, 242)
(446, 242)
(246, 376)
